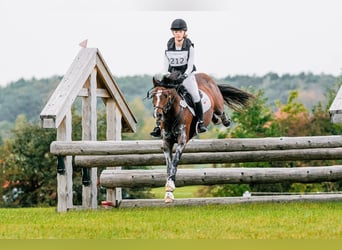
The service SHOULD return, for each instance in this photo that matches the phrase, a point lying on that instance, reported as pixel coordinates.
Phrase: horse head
(163, 95)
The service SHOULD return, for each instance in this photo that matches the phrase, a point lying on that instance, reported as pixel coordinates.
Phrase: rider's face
(178, 34)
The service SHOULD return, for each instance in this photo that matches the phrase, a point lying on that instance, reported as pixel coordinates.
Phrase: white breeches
(191, 86)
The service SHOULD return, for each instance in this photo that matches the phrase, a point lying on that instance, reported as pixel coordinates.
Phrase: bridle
(171, 97)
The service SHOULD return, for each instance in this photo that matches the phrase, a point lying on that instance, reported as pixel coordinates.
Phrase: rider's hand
(181, 78)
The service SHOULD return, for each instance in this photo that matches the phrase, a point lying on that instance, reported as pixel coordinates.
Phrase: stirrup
(200, 128)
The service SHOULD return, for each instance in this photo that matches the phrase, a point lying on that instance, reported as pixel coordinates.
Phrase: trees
(290, 119)
(27, 167)
(255, 121)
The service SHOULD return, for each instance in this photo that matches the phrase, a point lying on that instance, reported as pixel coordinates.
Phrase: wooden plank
(113, 132)
(48, 123)
(99, 93)
(64, 181)
(67, 90)
(336, 106)
(336, 118)
(194, 146)
(116, 93)
(213, 176)
(89, 132)
(211, 157)
(229, 200)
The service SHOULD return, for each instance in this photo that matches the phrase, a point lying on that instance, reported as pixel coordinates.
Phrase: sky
(40, 38)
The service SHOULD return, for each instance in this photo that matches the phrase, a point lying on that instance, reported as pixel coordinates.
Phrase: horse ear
(155, 81)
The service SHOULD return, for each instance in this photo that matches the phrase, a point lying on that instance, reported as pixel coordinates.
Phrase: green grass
(182, 192)
(301, 220)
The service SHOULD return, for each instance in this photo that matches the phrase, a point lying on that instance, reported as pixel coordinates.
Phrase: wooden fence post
(64, 178)
(113, 133)
(89, 132)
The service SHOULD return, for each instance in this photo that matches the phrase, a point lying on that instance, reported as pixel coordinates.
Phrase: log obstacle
(212, 176)
(149, 153)
(131, 203)
(89, 154)
(194, 146)
(211, 158)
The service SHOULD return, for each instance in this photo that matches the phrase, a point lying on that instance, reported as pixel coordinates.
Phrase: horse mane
(170, 81)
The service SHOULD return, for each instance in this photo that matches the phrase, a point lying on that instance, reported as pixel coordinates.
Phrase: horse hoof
(169, 198)
(170, 186)
(227, 123)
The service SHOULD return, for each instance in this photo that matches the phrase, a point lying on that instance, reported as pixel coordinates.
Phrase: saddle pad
(205, 103)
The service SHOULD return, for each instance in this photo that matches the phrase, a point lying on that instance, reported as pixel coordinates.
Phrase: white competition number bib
(177, 58)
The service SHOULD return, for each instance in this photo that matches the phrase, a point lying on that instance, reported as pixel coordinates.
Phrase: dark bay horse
(178, 122)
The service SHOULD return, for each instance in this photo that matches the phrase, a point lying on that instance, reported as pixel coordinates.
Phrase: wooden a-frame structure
(89, 78)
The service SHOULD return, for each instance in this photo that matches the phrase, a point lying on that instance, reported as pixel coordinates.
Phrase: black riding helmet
(179, 24)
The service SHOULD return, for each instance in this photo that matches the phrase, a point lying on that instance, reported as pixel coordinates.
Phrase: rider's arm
(166, 65)
(190, 61)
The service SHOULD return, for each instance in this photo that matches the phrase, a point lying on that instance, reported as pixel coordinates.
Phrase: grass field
(300, 220)
(182, 192)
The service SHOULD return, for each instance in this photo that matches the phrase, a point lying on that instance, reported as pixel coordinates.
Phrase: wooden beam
(99, 93)
(211, 157)
(131, 203)
(194, 146)
(67, 90)
(64, 179)
(213, 176)
(113, 132)
(89, 132)
(335, 109)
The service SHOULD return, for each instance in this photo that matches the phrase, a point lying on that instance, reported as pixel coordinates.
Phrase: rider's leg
(199, 113)
(191, 85)
(156, 131)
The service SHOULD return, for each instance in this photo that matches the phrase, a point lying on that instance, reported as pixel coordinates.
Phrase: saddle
(181, 90)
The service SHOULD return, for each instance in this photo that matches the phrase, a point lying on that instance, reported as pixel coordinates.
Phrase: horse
(172, 109)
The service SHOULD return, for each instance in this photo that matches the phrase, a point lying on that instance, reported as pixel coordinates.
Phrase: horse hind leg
(225, 119)
(221, 117)
(215, 119)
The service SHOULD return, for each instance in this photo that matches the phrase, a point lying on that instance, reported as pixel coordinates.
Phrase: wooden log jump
(131, 203)
(212, 176)
(149, 152)
(211, 158)
(194, 146)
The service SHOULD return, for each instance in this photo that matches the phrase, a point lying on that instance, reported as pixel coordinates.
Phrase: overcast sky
(40, 38)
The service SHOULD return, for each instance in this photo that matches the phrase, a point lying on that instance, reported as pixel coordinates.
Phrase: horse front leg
(170, 185)
(172, 170)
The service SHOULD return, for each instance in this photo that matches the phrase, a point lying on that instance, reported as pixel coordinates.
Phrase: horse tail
(235, 98)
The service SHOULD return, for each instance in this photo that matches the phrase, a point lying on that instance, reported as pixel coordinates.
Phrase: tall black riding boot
(156, 131)
(199, 113)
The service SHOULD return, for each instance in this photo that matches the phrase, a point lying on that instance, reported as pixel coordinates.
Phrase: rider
(179, 56)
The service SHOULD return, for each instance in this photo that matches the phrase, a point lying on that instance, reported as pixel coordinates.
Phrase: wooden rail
(212, 176)
(211, 158)
(194, 146)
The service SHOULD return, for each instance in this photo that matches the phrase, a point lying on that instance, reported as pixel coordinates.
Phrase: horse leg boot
(200, 128)
(225, 119)
(169, 188)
